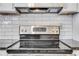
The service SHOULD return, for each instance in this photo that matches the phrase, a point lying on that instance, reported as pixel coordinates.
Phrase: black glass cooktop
(63, 49)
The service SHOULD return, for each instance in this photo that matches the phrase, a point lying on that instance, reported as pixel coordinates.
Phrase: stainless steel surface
(39, 9)
(47, 29)
(35, 34)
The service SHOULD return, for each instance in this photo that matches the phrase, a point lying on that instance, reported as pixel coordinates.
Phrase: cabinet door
(75, 52)
(7, 8)
(69, 8)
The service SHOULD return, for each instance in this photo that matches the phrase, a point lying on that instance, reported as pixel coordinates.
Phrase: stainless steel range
(39, 36)
(39, 40)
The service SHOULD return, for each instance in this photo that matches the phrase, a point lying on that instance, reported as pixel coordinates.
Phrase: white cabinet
(69, 8)
(48, 4)
(76, 27)
(75, 52)
(7, 8)
(20, 4)
(78, 7)
(38, 4)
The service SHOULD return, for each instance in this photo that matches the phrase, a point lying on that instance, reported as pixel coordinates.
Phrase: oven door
(39, 41)
(39, 44)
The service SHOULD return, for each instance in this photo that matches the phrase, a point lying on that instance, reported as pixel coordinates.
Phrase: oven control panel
(25, 29)
(39, 29)
(53, 30)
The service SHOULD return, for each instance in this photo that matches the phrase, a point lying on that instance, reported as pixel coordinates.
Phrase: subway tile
(33, 19)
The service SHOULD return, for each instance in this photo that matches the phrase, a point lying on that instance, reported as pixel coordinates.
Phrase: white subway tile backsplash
(66, 33)
(76, 27)
(11, 31)
(65, 37)
(9, 37)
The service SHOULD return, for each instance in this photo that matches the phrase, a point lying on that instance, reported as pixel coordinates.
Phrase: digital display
(39, 29)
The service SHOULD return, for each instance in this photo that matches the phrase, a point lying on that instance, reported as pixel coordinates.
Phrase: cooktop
(63, 49)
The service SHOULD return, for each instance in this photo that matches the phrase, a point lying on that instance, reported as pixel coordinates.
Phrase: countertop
(72, 43)
(4, 43)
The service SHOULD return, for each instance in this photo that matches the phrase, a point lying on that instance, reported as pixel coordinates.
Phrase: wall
(76, 27)
(10, 29)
